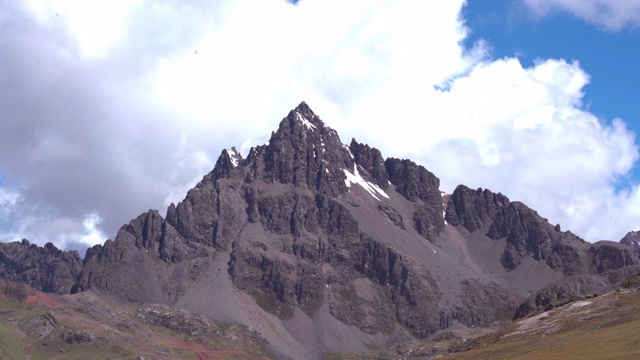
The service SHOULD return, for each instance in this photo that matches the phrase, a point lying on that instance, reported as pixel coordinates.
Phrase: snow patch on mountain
(445, 200)
(234, 156)
(355, 178)
(349, 150)
(305, 122)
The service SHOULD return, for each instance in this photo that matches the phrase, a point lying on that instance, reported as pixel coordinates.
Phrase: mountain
(325, 247)
(632, 239)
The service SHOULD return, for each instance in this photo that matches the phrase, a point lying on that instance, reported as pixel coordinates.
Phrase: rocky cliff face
(473, 208)
(528, 235)
(309, 233)
(47, 268)
(420, 186)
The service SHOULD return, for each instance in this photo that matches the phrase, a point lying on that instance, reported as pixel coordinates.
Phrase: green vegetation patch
(270, 303)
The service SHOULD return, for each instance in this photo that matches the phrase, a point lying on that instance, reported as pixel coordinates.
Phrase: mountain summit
(323, 247)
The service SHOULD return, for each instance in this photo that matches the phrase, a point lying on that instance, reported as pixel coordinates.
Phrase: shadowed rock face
(473, 208)
(45, 268)
(529, 235)
(417, 184)
(309, 228)
(611, 257)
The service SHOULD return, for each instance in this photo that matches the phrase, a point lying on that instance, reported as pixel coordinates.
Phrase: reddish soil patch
(199, 351)
(204, 352)
(43, 299)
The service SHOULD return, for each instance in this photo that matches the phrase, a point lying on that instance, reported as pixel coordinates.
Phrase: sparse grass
(607, 328)
(10, 343)
(349, 293)
(611, 332)
(112, 341)
(619, 342)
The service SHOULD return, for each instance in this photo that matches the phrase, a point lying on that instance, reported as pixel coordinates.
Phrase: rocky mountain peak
(303, 152)
(234, 156)
(632, 239)
(306, 113)
(228, 160)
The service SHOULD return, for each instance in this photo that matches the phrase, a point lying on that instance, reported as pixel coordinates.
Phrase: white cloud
(531, 140)
(8, 200)
(101, 126)
(613, 15)
(96, 26)
(22, 219)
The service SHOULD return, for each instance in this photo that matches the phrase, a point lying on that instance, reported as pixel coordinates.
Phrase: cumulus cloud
(526, 131)
(613, 15)
(101, 123)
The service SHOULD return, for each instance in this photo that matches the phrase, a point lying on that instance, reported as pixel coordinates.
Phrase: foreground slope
(592, 327)
(326, 247)
(603, 327)
(35, 325)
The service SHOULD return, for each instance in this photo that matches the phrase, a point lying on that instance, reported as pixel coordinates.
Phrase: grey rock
(420, 186)
(46, 268)
(610, 256)
(394, 216)
(473, 208)
(528, 234)
(78, 337)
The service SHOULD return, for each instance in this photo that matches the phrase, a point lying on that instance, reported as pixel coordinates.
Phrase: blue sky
(112, 108)
(610, 57)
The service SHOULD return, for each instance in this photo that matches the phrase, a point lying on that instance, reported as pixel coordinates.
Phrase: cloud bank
(613, 15)
(102, 122)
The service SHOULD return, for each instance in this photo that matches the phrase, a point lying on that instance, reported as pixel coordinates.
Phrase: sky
(109, 109)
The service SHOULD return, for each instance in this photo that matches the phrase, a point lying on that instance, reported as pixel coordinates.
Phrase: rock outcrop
(611, 256)
(473, 208)
(47, 268)
(420, 186)
(528, 234)
(132, 266)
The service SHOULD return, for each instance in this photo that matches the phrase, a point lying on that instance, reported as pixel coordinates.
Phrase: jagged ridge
(310, 228)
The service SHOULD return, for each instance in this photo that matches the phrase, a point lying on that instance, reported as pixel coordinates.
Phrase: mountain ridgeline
(326, 247)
